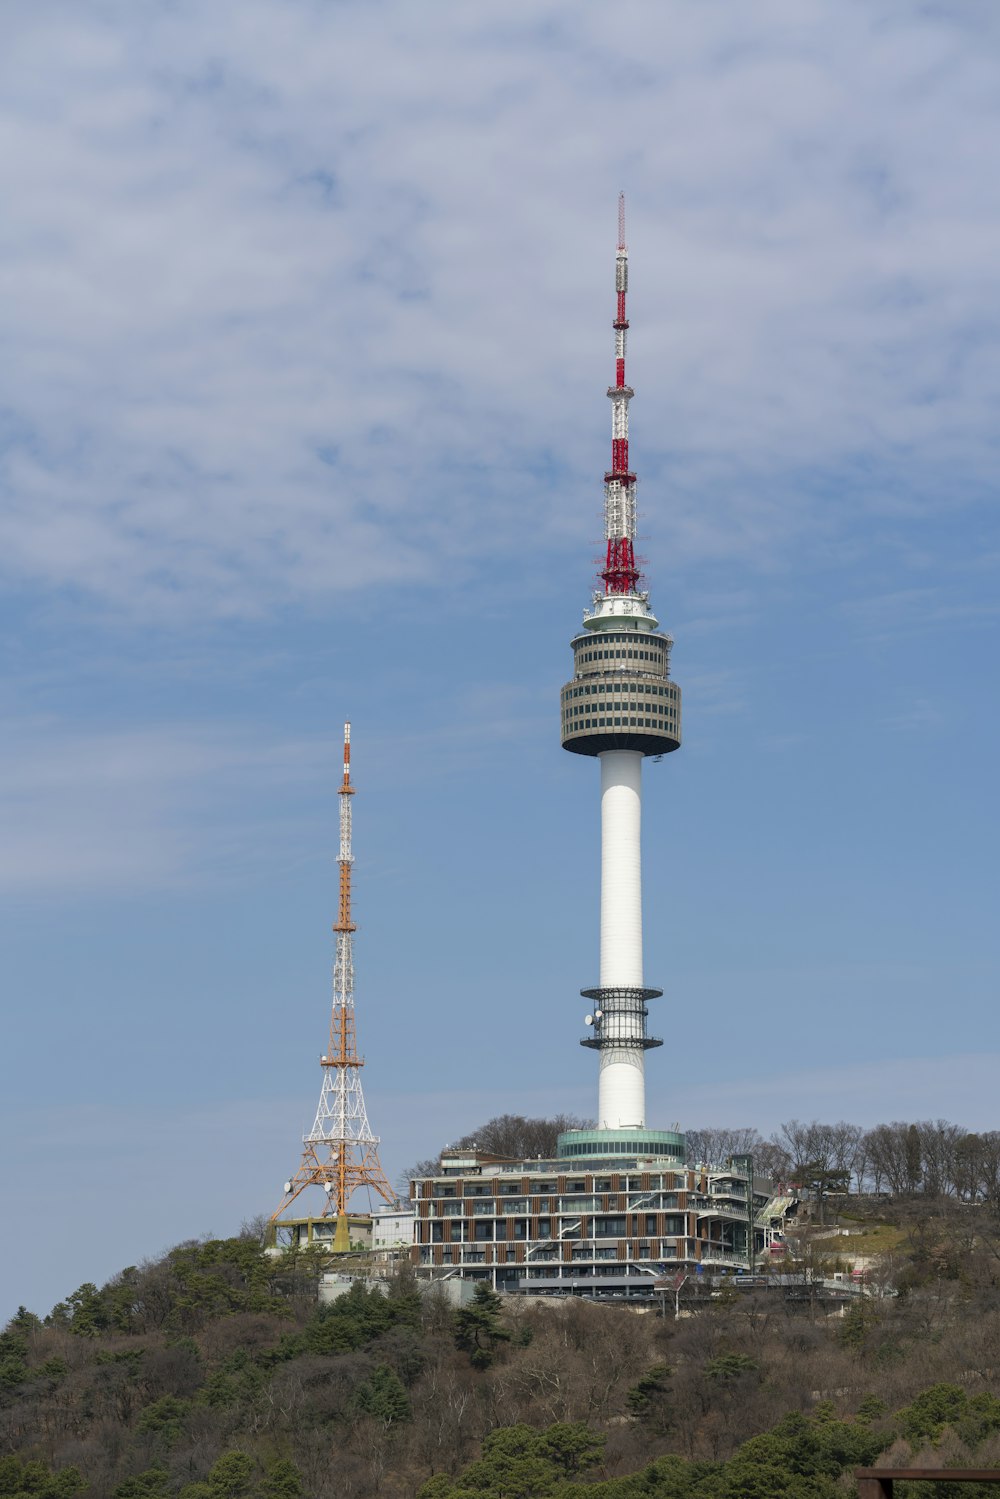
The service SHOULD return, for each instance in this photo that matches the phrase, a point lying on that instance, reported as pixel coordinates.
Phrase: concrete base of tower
(320, 1233)
(622, 1144)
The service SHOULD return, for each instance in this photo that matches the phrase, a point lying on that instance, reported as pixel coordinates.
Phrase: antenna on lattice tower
(341, 1153)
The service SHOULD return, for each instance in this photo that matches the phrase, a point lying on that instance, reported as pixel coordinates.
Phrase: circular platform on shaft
(625, 992)
(614, 1004)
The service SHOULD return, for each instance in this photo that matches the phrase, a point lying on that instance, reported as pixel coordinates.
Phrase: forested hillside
(213, 1374)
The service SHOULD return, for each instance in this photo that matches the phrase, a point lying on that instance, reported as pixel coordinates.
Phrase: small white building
(392, 1232)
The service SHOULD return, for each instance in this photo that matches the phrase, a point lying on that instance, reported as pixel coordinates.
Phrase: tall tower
(341, 1153)
(621, 706)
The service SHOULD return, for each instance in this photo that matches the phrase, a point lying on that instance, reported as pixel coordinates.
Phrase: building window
(609, 1228)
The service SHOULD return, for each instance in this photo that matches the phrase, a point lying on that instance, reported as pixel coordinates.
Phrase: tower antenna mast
(341, 1153)
(620, 573)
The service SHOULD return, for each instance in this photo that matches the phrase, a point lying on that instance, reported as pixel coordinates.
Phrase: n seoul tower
(620, 707)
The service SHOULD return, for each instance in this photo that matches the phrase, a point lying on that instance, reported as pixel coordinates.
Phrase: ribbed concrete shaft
(622, 1091)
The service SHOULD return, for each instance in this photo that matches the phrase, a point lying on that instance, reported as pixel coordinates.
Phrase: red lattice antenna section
(620, 573)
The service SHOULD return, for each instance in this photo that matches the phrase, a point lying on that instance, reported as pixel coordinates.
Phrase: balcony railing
(726, 1256)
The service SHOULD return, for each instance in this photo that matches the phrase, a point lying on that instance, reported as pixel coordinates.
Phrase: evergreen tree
(384, 1398)
(282, 1481)
(478, 1330)
(153, 1484)
(232, 1476)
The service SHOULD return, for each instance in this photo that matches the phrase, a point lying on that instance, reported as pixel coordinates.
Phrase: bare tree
(793, 1138)
(429, 1167)
(518, 1138)
(257, 1229)
(988, 1186)
(938, 1144)
(509, 1135)
(847, 1145)
(714, 1146)
(887, 1153)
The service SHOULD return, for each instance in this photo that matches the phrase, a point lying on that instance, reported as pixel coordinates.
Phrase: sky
(305, 334)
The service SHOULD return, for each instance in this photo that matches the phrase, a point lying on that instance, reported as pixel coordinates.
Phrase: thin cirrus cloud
(176, 806)
(285, 284)
(131, 809)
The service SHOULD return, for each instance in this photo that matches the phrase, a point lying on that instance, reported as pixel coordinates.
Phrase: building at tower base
(611, 1215)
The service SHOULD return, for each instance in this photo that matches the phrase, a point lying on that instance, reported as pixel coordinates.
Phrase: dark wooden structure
(876, 1483)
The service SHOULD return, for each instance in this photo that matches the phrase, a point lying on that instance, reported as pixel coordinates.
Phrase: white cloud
(291, 294)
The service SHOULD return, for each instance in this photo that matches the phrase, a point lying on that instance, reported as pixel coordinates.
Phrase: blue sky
(305, 327)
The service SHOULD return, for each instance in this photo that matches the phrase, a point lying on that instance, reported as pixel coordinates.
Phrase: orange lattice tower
(341, 1153)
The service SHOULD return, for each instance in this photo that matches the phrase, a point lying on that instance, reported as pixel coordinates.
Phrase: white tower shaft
(621, 869)
(622, 1084)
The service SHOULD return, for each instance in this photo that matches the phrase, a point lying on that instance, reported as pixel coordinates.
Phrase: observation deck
(621, 695)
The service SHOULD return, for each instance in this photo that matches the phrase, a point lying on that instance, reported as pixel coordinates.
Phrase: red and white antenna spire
(620, 573)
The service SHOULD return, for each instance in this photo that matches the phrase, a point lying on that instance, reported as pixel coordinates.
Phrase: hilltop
(213, 1372)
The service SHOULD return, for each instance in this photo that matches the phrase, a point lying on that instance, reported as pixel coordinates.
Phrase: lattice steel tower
(341, 1153)
(620, 706)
